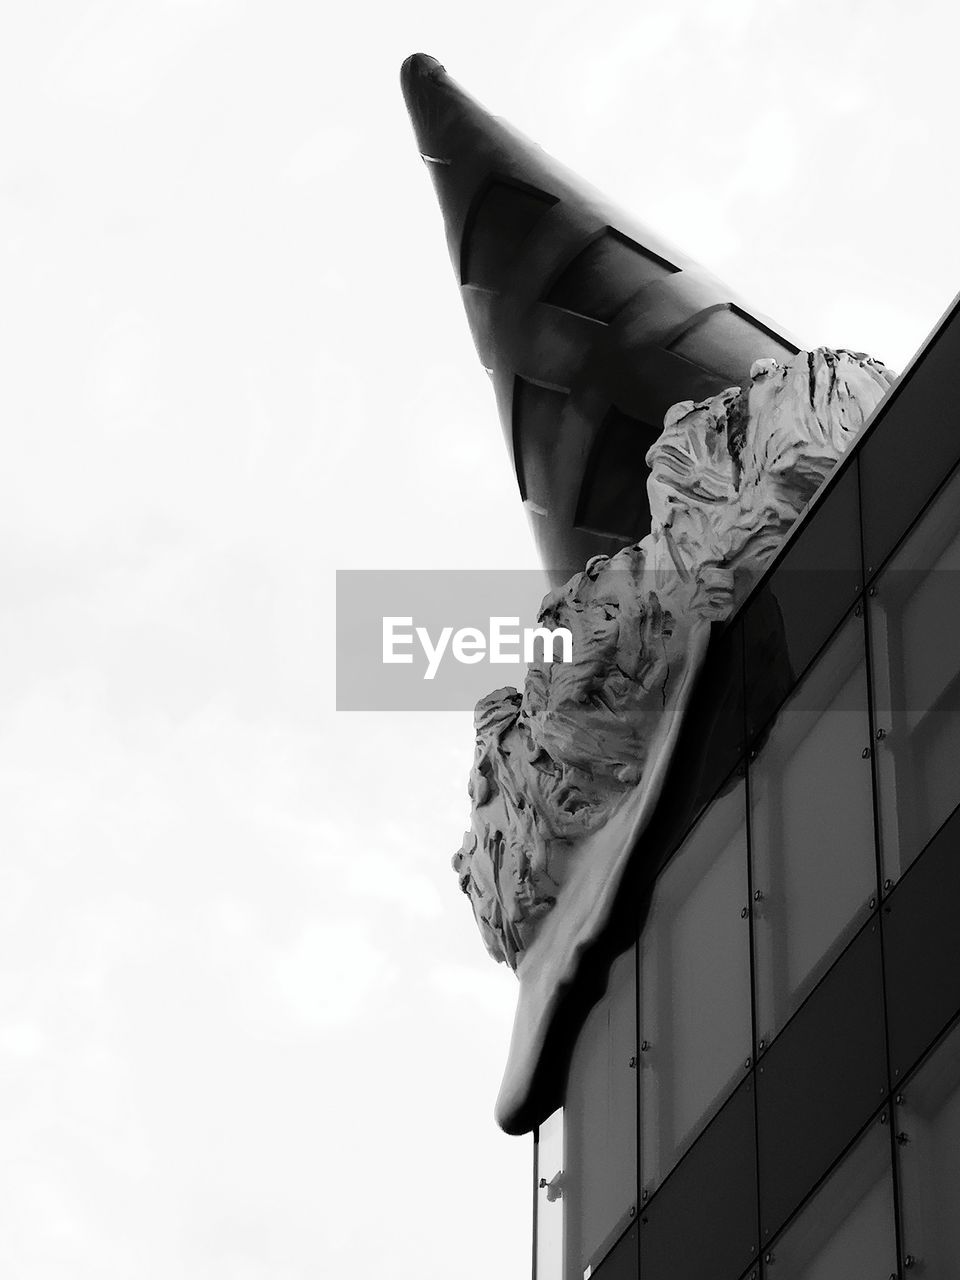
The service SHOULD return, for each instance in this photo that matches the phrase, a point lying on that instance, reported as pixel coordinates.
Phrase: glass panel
(695, 1024)
(714, 724)
(806, 596)
(600, 1111)
(708, 748)
(929, 1154)
(622, 1262)
(847, 1231)
(811, 832)
(915, 625)
(821, 1081)
(922, 409)
(550, 1198)
(920, 950)
(703, 1222)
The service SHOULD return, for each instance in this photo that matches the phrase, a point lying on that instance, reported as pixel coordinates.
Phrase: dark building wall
(771, 1082)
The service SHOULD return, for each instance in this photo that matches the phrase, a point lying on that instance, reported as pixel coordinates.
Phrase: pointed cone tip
(420, 79)
(418, 66)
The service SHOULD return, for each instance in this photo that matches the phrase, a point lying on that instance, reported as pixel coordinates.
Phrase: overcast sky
(247, 1027)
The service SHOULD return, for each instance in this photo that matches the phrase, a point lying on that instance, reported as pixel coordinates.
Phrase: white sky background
(247, 1028)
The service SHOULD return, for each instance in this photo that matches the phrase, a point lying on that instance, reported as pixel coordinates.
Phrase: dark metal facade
(770, 1084)
(589, 324)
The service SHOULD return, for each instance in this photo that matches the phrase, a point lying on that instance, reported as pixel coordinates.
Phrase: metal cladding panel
(563, 288)
(812, 587)
(821, 1080)
(920, 924)
(644, 381)
(703, 1221)
(725, 338)
(548, 344)
(501, 218)
(914, 445)
(609, 502)
(537, 435)
(604, 276)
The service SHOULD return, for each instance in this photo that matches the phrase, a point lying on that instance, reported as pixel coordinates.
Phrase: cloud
(118, 53)
(489, 990)
(22, 1040)
(332, 973)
